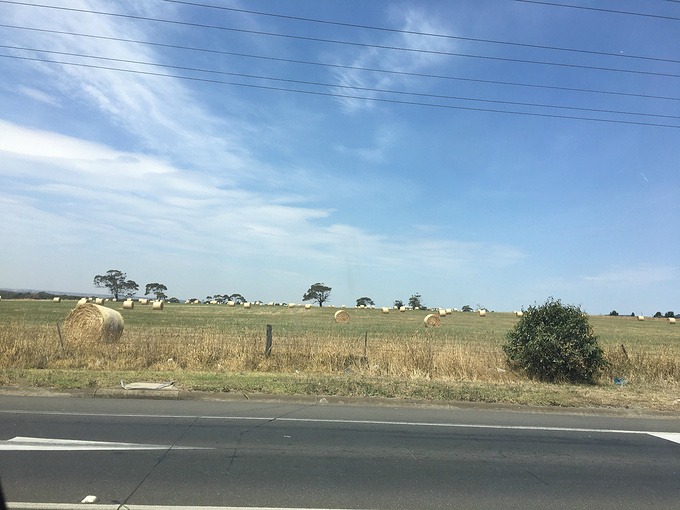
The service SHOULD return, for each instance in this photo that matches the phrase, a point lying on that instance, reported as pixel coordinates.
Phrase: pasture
(220, 341)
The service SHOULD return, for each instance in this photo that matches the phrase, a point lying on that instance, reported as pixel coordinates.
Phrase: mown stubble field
(220, 348)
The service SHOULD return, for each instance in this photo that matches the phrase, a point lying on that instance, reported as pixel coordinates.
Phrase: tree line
(117, 283)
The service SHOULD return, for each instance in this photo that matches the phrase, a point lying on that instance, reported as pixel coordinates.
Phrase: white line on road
(113, 506)
(669, 436)
(46, 444)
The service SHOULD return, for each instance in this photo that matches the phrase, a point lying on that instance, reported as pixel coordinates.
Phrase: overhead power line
(340, 66)
(348, 96)
(413, 32)
(349, 43)
(338, 86)
(613, 11)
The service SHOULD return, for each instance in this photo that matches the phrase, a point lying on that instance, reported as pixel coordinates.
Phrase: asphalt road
(296, 455)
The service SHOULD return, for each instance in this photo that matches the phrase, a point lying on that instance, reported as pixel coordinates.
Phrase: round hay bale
(308, 307)
(143, 301)
(231, 303)
(341, 316)
(291, 305)
(519, 314)
(157, 305)
(442, 313)
(128, 304)
(93, 323)
(432, 320)
(481, 313)
(98, 301)
(670, 320)
(246, 305)
(56, 299)
(82, 301)
(448, 311)
(402, 308)
(641, 317)
(384, 309)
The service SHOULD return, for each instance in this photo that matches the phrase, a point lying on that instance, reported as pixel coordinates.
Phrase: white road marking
(46, 444)
(669, 436)
(128, 506)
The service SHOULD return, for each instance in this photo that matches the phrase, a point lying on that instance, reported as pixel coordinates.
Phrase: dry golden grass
(379, 350)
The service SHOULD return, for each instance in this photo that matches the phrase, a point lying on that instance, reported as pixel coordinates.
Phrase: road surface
(148, 454)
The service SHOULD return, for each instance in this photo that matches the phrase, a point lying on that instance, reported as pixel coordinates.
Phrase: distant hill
(41, 294)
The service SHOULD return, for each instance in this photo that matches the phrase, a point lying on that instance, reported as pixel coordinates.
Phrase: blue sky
(214, 188)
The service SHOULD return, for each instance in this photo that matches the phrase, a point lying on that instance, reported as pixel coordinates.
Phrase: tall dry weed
(214, 349)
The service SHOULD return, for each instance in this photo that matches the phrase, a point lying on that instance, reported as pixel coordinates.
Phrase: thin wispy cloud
(266, 191)
(408, 19)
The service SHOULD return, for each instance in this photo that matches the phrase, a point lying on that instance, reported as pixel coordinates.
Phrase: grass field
(220, 348)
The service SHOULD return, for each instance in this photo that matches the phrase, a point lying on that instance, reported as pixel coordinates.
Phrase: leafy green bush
(554, 342)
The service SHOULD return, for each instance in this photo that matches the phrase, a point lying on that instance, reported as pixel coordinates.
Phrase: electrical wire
(427, 34)
(338, 86)
(613, 11)
(340, 66)
(347, 96)
(349, 43)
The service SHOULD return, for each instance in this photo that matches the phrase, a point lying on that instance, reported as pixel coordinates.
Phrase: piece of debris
(145, 385)
(621, 382)
(90, 499)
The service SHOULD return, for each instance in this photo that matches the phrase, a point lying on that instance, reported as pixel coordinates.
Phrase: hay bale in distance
(384, 309)
(143, 301)
(341, 316)
(157, 305)
(481, 312)
(128, 304)
(98, 301)
(308, 307)
(640, 317)
(670, 320)
(432, 320)
(402, 308)
(56, 299)
(246, 305)
(442, 313)
(82, 301)
(93, 323)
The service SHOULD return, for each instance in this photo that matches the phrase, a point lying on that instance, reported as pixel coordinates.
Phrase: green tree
(398, 303)
(156, 288)
(365, 301)
(670, 314)
(116, 282)
(237, 298)
(554, 342)
(318, 293)
(614, 313)
(466, 308)
(415, 301)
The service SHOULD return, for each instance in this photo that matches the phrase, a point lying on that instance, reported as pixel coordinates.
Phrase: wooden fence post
(268, 347)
